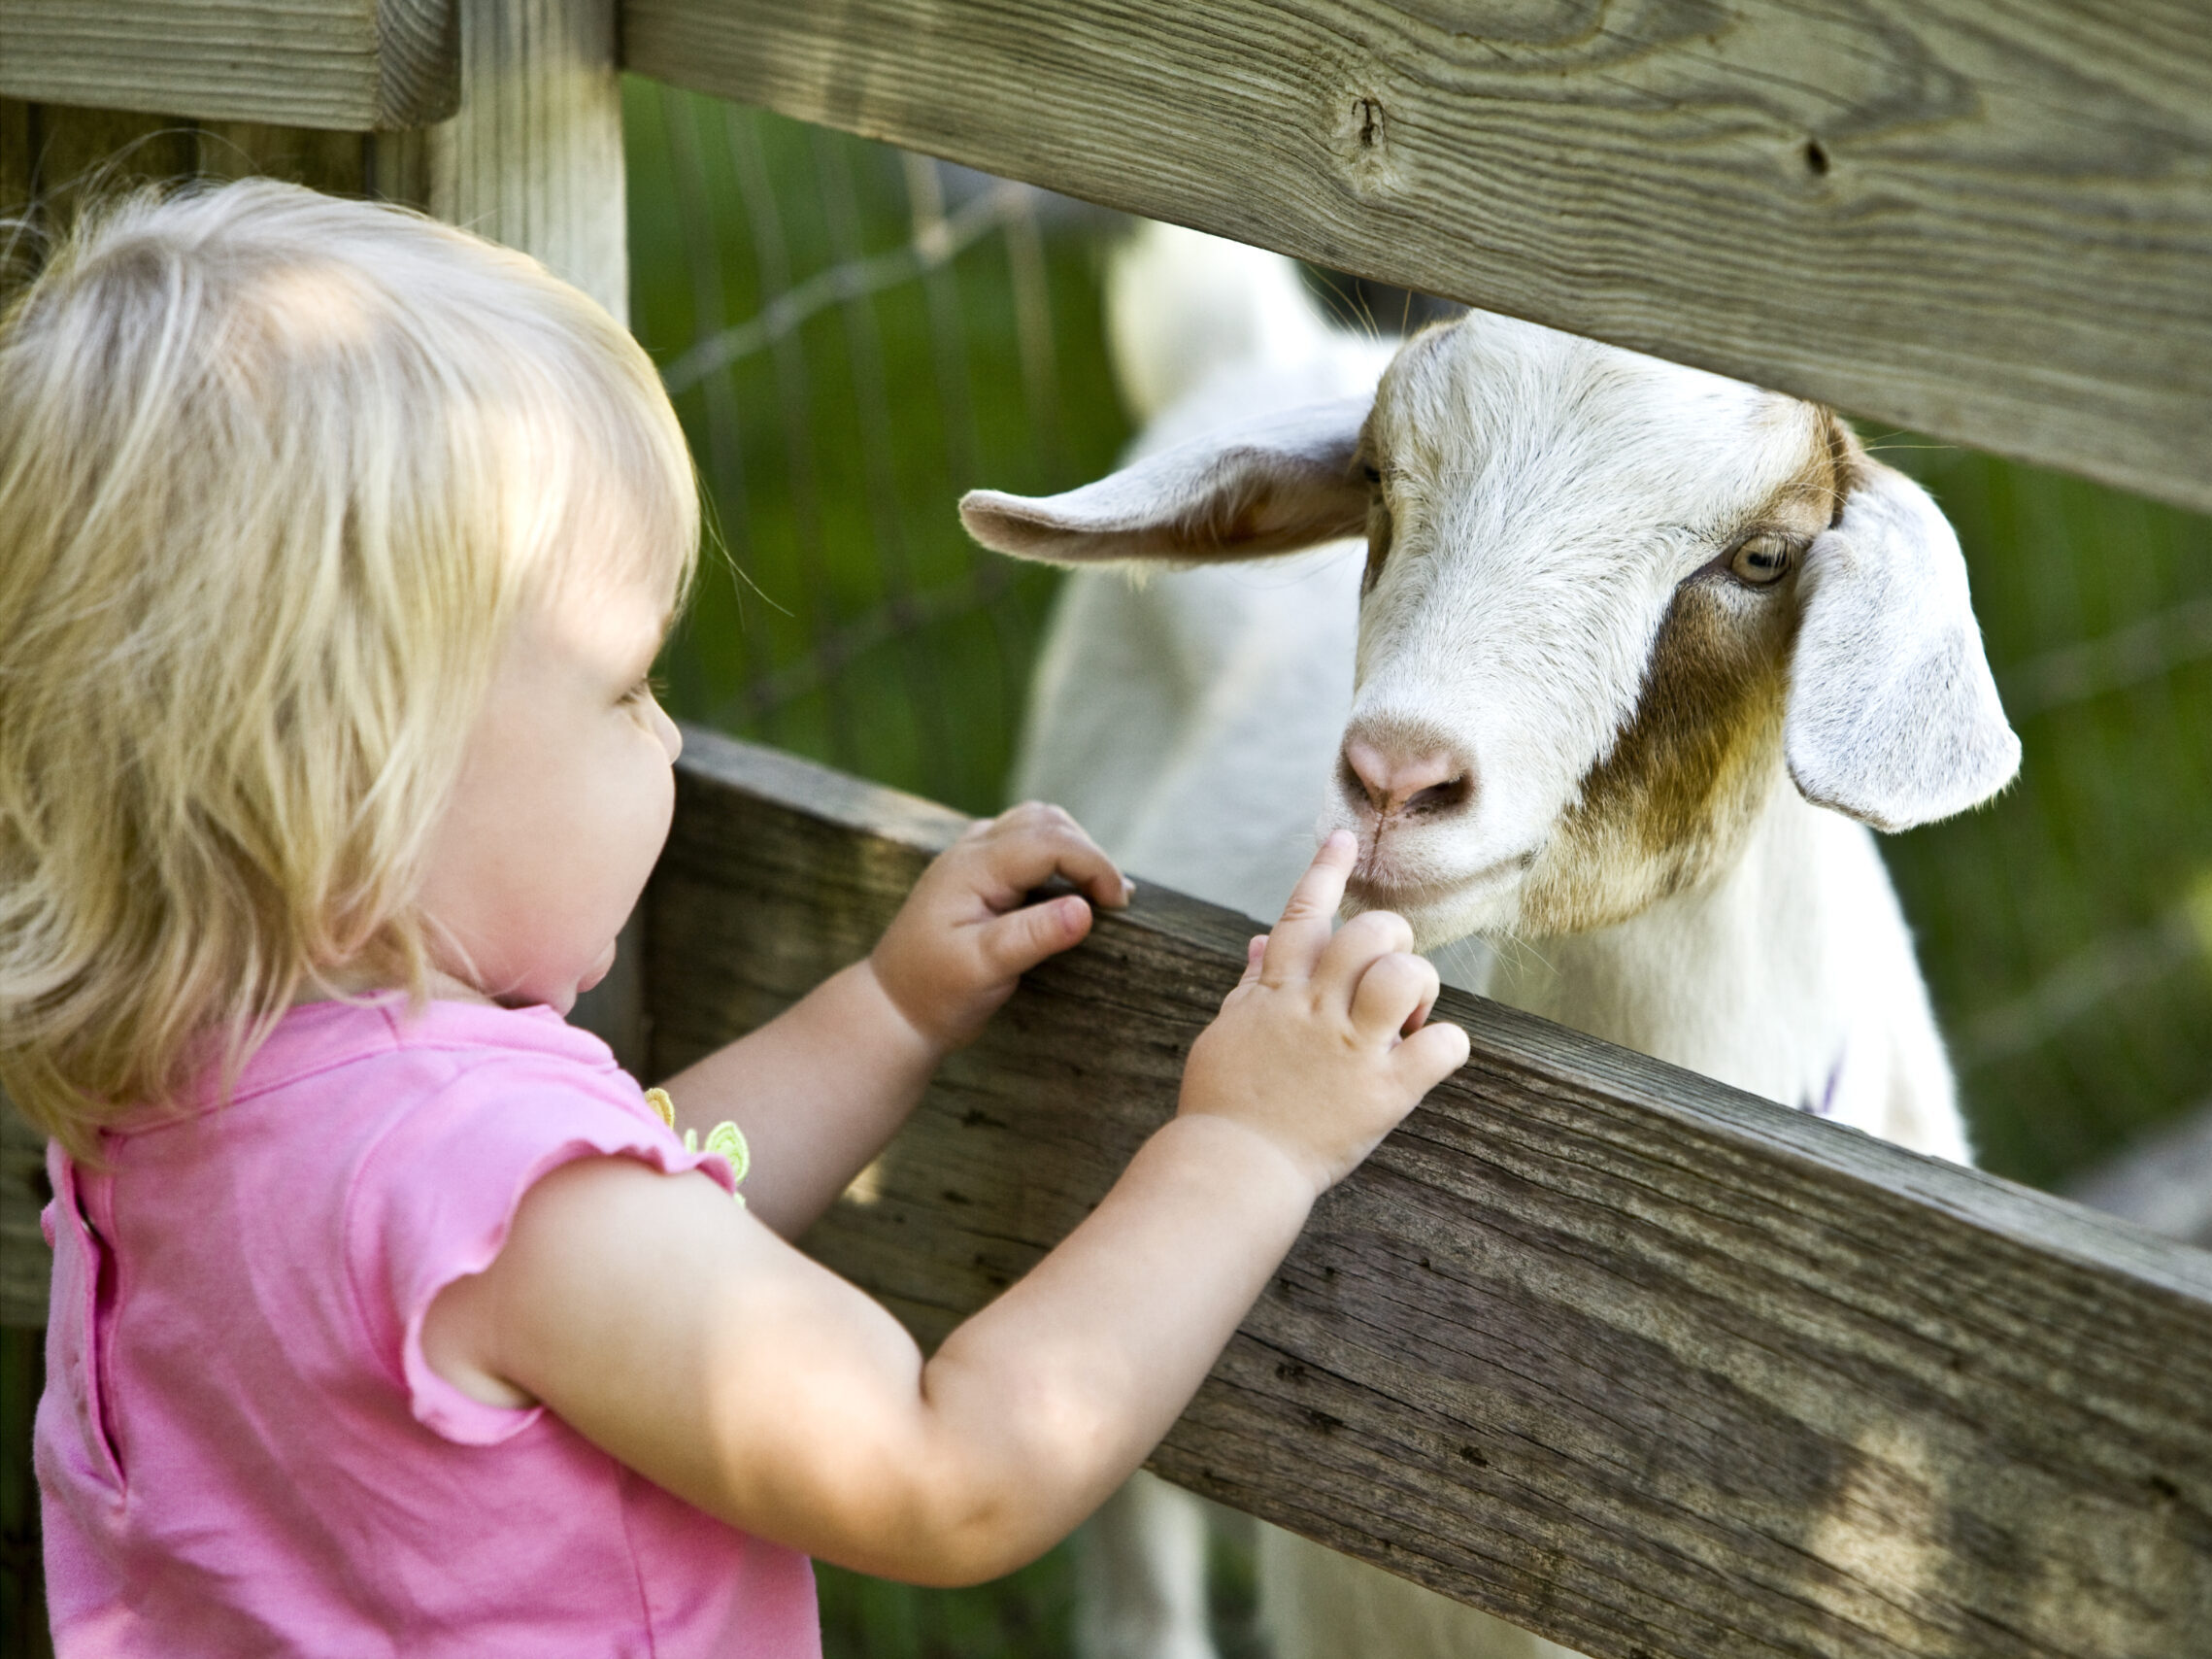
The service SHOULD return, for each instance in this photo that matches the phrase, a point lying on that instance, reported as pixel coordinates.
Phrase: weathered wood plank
(1620, 1354)
(14, 160)
(337, 162)
(350, 64)
(25, 1262)
(55, 157)
(66, 155)
(534, 158)
(1991, 223)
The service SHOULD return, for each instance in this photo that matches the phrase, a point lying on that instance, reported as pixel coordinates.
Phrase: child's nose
(671, 734)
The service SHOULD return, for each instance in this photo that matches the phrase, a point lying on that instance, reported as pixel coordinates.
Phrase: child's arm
(674, 1330)
(819, 1090)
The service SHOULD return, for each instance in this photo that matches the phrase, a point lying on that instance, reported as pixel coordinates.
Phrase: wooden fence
(1630, 1359)
(1620, 1354)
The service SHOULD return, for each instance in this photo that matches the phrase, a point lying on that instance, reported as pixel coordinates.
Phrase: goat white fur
(1621, 637)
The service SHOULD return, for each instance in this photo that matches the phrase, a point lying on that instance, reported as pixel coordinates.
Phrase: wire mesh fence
(853, 337)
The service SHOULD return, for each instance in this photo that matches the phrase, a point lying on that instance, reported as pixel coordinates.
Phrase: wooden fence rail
(355, 66)
(1621, 1355)
(1989, 222)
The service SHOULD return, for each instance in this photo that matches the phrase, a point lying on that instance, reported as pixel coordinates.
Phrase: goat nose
(1431, 783)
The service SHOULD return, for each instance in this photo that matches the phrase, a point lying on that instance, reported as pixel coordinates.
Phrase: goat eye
(1762, 558)
(1373, 474)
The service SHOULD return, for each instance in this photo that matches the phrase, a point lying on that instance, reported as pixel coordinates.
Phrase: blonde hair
(277, 472)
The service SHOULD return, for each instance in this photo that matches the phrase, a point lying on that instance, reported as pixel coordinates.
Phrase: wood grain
(349, 64)
(338, 163)
(67, 155)
(15, 162)
(56, 157)
(25, 1262)
(1621, 1355)
(534, 158)
(1987, 222)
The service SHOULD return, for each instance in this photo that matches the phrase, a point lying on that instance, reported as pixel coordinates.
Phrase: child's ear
(1270, 485)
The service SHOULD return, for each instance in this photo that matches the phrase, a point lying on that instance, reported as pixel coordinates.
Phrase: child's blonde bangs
(276, 473)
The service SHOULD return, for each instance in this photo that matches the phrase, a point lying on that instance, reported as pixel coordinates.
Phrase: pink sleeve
(433, 1202)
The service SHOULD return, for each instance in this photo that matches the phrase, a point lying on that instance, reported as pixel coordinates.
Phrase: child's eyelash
(652, 685)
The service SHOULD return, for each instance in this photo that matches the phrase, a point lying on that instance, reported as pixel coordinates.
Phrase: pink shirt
(240, 1449)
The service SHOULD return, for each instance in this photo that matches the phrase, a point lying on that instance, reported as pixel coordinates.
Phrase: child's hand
(1324, 1046)
(681, 1336)
(958, 945)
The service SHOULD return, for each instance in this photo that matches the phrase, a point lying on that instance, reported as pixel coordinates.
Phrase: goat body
(1620, 646)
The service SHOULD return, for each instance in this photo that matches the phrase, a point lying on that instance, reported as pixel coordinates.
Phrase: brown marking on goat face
(1674, 799)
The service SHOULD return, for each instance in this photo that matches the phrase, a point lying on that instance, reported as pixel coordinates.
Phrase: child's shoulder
(398, 1141)
(341, 1090)
(444, 1073)
(380, 1044)
(314, 1036)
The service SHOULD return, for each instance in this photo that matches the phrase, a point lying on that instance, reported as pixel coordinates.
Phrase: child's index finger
(1310, 915)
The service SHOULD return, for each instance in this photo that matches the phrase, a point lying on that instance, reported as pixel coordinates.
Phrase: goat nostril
(1364, 774)
(1415, 784)
(1447, 796)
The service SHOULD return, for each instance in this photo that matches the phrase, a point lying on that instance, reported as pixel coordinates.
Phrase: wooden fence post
(534, 158)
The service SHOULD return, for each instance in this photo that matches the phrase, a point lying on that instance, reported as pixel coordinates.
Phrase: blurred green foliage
(854, 622)
(2064, 930)
(1025, 1616)
(2061, 928)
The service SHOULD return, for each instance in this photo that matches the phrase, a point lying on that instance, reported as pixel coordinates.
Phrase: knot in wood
(1362, 145)
(1368, 114)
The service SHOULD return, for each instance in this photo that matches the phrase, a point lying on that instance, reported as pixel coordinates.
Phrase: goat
(1629, 660)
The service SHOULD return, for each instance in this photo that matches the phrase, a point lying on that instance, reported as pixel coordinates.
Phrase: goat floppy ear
(1274, 484)
(1893, 716)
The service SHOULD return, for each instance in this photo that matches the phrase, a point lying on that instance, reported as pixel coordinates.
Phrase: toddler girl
(388, 1316)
